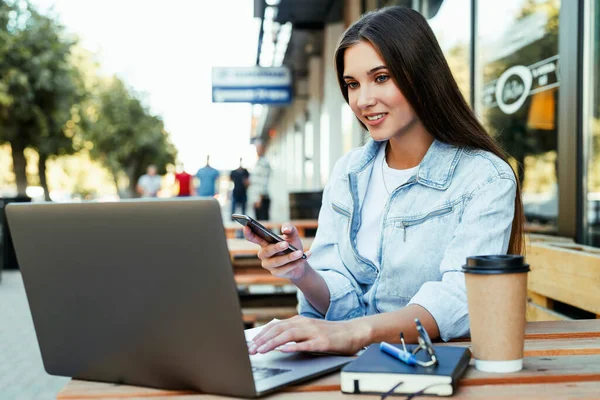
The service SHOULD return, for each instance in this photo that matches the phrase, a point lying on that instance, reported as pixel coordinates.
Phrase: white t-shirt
(368, 237)
(150, 185)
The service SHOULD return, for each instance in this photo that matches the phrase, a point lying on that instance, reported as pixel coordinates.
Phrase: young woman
(401, 214)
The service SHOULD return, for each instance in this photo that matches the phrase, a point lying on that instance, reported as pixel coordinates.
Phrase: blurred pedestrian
(240, 178)
(185, 181)
(208, 177)
(259, 184)
(149, 184)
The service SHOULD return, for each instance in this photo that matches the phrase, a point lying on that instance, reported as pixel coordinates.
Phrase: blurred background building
(529, 68)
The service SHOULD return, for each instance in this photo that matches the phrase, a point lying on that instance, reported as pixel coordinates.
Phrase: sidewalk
(22, 374)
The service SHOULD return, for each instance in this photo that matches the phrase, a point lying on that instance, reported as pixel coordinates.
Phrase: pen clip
(402, 340)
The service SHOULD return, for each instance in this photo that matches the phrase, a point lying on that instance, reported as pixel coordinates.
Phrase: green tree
(125, 137)
(39, 87)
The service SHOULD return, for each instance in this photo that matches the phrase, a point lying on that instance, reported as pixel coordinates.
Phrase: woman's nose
(365, 99)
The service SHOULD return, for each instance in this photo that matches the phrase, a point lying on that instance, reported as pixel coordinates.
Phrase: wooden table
(301, 225)
(562, 360)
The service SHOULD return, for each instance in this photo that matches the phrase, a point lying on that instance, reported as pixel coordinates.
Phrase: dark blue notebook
(377, 372)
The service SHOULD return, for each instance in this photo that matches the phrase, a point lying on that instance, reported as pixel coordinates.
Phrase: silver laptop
(143, 293)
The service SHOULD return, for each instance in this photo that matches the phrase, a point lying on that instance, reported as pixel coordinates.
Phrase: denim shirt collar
(435, 170)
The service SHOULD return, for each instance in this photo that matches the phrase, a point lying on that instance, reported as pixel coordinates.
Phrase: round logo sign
(512, 88)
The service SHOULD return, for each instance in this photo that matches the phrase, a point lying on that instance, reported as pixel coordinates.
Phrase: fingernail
(262, 348)
(298, 253)
(252, 348)
(283, 245)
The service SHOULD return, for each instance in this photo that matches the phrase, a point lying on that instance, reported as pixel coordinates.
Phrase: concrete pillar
(315, 96)
(370, 5)
(331, 119)
(352, 11)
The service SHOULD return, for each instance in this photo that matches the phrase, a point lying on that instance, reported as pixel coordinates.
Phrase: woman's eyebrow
(370, 72)
(373, 70)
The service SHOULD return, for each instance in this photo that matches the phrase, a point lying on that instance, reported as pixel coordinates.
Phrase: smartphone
(262, 232)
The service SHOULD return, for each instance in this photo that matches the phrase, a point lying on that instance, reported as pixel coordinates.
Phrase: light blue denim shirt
(460, 203)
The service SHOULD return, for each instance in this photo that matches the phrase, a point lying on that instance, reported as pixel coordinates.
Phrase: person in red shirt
(186, 182)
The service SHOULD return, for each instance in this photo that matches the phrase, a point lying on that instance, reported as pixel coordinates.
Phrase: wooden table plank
(583, 328)
(541, 391)
(567, 369)
(552, 347)
(535, 370)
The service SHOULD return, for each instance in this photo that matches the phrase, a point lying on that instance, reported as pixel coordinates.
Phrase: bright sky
(165, 50)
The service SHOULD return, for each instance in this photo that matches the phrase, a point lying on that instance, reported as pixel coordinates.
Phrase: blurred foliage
(459, 63)
(123, 134)
(53, 101)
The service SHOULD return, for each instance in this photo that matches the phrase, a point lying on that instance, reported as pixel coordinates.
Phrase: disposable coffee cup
(496, 294)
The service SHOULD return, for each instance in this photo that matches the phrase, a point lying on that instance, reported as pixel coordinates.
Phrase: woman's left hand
(309, 334)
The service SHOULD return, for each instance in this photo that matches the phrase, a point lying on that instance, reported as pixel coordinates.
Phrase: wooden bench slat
(566, 272)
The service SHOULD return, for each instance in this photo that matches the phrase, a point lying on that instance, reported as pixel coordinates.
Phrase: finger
(257, 341)
(289, 230)
(285, 271)
(271, 249)
(252, 237)
(287, 336)
(270, 331)
(278, 261)
(308, 345)
(275, 328)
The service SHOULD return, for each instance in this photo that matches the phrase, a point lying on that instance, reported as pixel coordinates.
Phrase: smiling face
(373, 95)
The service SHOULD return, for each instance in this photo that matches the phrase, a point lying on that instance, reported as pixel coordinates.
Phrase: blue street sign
(257, 85)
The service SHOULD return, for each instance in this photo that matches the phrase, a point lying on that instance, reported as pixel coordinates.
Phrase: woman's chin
(378, 137)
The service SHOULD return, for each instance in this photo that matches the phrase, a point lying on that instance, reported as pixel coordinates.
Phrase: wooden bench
(562, 271)
(257, 316)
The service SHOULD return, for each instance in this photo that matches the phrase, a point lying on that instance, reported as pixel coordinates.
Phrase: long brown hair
(417, 64)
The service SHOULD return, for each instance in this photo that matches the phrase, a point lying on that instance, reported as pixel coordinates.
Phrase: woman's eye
(382, 78)
(352, 85)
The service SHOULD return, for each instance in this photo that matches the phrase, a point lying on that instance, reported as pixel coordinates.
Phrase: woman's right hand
(291, 266)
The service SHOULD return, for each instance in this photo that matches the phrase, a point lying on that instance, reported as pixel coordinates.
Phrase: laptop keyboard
(264, 372)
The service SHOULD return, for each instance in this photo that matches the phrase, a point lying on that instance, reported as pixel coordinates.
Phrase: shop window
(518, 57)
(450, 20)
(591, 124)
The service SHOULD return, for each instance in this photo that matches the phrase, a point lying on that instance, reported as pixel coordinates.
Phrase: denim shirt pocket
(340, 209)
(405, 223)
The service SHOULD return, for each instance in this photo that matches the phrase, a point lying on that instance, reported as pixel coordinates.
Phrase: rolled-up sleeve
(485, 228)
(344, 301)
